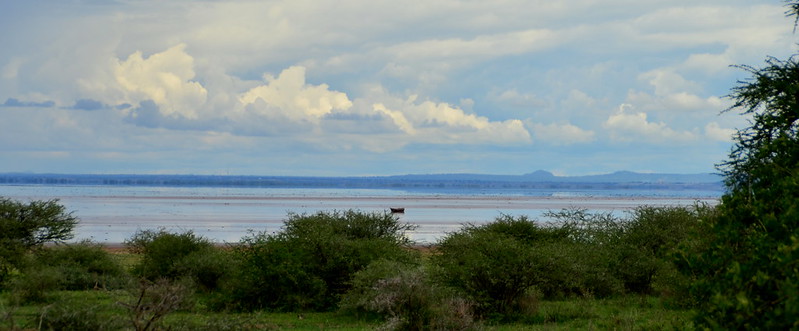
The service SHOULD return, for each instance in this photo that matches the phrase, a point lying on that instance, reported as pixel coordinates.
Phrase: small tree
(26, 226)
(309, 265)
(496, 265)
(178, 255)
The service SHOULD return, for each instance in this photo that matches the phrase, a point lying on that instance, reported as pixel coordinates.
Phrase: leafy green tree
(749, 273)
(175, 256)
(26, 226)
(498, 264)
(309, 264)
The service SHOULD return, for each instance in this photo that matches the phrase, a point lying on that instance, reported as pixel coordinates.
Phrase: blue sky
(340, 88)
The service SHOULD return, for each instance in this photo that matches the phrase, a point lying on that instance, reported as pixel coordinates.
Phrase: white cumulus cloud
(164, 90)
(165, 78)
(290, 94)
(439, 122)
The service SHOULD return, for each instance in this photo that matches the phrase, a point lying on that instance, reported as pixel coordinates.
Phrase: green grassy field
(624, 313)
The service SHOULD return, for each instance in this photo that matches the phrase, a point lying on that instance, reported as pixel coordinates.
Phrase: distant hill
(536, 180)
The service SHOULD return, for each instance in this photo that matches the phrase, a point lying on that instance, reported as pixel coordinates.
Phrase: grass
(621, 313)
(624, 313)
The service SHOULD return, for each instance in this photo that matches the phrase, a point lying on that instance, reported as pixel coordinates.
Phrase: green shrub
(587, 255)
(496, 270)
(35, 287)
(308, 265)
(577, 254)
(581, 270)
(525, 230)
(581, 227)
(271, 274)
(406, 298)
(205, 267)
(73, 315)
(178, 255)
(80, 266)
(651, 236)
(607, 255)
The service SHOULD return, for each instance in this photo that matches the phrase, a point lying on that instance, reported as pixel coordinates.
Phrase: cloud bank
(322, 87)
(166, 89)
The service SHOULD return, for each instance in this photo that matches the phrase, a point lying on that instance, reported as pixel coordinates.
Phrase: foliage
(651, 236)
(74, 315)
(609, 255)
(405, 297)
(178, 255)
(271, 274)
(25, 226)
(748, 276)
(496, 265)
(308, 265)
(500, 264)
(205, 267)
(35, 287)
(588, 255)
(80, 266)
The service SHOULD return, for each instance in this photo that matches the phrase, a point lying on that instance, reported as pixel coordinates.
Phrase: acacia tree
(749, 272)
(26, 226)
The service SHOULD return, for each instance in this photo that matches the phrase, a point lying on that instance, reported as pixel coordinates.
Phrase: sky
(362, 88)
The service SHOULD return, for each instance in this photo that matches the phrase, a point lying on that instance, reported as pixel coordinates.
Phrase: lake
(111, 214)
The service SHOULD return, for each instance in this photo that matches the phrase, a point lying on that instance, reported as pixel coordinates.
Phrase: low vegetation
(358, 270)
(733, 266)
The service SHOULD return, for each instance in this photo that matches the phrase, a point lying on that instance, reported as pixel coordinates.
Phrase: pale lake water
(111, 214)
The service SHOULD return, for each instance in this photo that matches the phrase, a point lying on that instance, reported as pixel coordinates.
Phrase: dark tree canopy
(25, 226)
(35, 223)
(748, 275)
(768, 150)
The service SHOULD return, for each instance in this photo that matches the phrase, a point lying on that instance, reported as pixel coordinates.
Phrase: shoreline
(110, 215)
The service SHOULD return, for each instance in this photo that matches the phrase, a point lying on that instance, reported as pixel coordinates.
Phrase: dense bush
(74, 315)
(501, 264)
(497, 265)
(25, 226)
(406, 298)
(309, 264)
(178, 255)
(271, 274)
(651, 237)
(80, 266)
(35, 287)
(588, 254)
(634, 254)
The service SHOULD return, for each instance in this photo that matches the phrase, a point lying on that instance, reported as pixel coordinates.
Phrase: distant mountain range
(536, 180)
